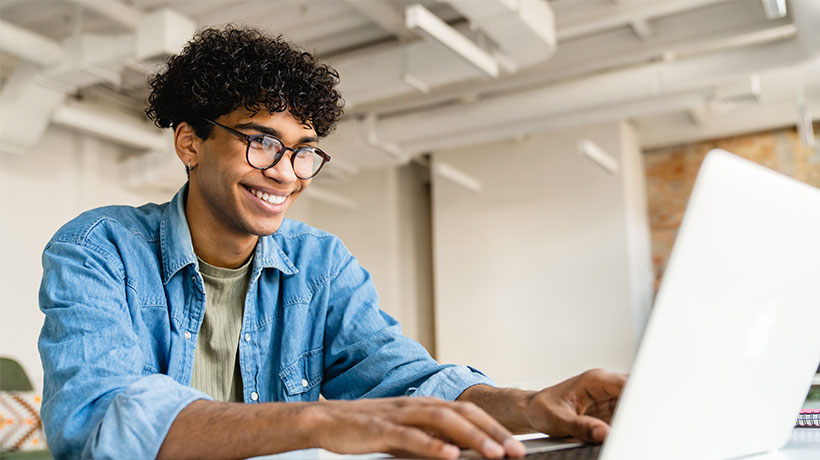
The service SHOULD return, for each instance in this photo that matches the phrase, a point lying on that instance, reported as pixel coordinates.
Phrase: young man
(207, 327)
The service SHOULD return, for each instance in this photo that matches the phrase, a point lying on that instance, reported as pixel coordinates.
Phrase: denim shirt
(123, 301)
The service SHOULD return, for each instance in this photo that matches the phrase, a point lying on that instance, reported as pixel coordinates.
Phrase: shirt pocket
(302, 377)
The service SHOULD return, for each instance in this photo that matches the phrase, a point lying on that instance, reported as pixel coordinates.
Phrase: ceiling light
(775, 9)
(598, 155)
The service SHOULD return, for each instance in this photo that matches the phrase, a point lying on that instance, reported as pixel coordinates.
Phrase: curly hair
(220, 70)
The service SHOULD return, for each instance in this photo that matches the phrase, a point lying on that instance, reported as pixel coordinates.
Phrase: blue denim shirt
(123, 301)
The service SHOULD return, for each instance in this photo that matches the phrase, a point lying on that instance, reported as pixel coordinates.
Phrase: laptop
(732, 343)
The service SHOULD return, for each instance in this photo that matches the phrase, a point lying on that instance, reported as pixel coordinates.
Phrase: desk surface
(804, 445)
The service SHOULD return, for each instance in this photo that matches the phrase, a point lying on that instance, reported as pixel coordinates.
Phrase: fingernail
(492, 448)
(451, 451)
(515, 447)
(598, 433)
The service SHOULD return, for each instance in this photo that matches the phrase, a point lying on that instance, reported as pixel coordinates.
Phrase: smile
(272, 199)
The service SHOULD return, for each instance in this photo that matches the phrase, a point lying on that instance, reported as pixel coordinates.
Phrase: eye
(257, 143)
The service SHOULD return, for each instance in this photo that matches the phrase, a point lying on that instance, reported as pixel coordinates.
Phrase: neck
(213, 241)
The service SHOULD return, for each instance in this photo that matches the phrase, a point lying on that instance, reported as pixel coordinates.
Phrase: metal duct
(513, 23)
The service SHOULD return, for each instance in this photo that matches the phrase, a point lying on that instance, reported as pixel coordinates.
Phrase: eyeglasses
(264, 152)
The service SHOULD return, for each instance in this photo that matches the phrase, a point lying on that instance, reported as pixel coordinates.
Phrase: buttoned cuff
(449, 383)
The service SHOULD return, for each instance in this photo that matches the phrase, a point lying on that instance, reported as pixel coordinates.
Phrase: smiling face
(227, 195)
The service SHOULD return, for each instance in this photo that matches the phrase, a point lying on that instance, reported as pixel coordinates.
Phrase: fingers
(492, 427)
(463, 425)
(407, 439)
(589, 429)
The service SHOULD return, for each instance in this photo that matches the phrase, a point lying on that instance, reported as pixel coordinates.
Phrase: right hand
(419, 426)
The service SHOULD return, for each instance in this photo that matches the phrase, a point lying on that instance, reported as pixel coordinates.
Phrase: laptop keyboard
(589, 452)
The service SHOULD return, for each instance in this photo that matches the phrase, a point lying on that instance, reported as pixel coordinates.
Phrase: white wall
(532, 275)
(389, 232)
(62, 175)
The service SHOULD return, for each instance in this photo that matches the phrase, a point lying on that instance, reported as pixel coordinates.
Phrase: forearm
(207, 429)
(507, 405)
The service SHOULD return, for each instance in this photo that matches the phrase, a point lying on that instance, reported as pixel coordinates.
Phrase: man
(207, 327)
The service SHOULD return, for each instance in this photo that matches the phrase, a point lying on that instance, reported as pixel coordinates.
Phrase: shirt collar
(178, 251)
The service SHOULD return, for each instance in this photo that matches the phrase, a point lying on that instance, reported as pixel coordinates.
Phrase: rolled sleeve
(139, 417)
(449, 383)
(98, 399)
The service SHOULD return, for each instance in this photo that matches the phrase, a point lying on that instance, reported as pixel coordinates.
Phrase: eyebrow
(273, 132)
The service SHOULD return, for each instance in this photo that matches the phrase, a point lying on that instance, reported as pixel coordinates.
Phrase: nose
(282, 172)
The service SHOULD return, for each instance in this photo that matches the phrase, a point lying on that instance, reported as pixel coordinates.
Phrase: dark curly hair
(220, 70)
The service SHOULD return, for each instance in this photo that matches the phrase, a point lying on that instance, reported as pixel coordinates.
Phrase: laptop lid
(732, 343)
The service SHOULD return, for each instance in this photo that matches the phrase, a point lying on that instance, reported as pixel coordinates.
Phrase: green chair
(14, 378)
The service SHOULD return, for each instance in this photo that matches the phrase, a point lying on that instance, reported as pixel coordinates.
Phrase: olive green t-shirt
(216, 361)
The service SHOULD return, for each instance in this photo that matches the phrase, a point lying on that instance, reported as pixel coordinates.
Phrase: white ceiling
(680, 70)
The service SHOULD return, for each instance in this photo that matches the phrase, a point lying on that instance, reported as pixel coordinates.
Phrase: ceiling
(679, 70)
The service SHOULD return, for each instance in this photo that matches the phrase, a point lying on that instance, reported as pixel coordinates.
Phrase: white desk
(804, 445)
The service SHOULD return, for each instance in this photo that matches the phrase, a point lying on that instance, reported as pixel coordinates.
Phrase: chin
(268, 228)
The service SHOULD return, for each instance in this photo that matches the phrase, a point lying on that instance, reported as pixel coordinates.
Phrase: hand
(427, 427)
(580, 407)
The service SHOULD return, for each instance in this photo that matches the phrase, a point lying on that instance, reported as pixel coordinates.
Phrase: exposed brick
(671, 172)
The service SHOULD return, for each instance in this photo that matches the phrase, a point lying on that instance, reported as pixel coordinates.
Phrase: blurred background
(512, 172)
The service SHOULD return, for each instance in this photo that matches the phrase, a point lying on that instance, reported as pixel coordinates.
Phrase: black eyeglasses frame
(248, 138)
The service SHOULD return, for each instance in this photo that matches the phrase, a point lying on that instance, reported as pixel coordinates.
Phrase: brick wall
(671, 171)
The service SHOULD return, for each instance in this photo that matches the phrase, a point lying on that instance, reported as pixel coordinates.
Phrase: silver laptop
(732, 343)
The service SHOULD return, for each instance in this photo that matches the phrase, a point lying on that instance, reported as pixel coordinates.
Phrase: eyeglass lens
(266, 151)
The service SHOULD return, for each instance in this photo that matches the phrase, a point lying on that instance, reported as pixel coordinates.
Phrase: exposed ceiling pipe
(104, 123)
(26, 103)
(504, 131)
(620, 87)
(30, 46)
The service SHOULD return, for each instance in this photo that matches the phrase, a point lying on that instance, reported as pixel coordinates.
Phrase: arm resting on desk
(207, 429)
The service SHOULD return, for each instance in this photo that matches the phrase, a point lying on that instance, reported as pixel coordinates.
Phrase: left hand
(580, 407)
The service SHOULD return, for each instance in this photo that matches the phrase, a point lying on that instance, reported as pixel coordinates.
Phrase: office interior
(511, 172)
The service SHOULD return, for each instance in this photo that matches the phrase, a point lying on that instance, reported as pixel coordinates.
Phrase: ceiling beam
(581, 22)
(384, 15)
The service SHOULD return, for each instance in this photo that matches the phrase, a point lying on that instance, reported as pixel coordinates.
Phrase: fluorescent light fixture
(456, 176)
(434, 30)
(598, 156)
(415, 83)
(775, 9)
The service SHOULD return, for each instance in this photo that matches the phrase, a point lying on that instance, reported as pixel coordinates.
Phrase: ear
(187, 144)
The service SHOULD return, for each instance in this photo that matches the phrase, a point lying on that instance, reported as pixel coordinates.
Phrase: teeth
(272, 199)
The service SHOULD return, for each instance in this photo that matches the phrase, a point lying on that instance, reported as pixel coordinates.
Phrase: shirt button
(304, 383)
(254, 396)
(187, 335)
(247, 337)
